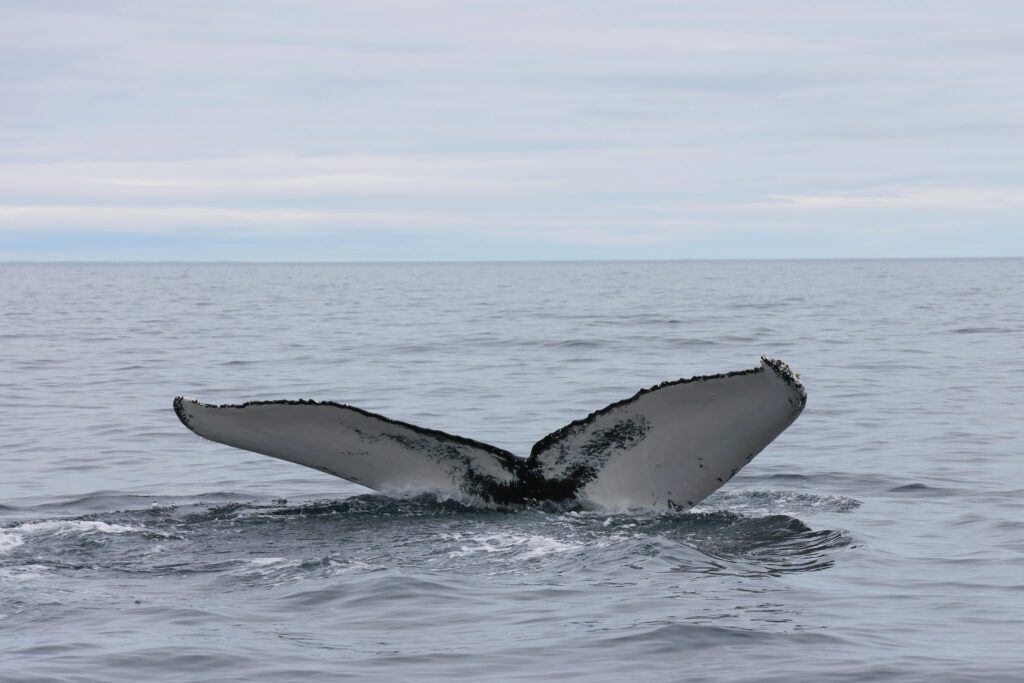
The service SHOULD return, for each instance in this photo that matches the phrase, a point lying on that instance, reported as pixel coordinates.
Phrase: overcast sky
(425, 129)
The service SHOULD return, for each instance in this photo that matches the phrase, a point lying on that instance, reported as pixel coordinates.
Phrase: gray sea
(881, 537)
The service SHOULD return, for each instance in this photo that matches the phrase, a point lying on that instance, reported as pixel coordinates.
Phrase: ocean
(881, 537)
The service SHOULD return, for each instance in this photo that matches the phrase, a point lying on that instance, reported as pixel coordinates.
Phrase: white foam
(524, 547)
(539, 546)
(68, 527)
(277, 571)
(264, 567)
(776, 501)
(9, 540)
(26, 572)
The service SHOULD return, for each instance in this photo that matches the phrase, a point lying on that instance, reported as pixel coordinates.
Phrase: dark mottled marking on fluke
(594, 454)
(474, 483)
(790, 377)
(574, 426)
(179, 410)
(623, 434)
(501, 454)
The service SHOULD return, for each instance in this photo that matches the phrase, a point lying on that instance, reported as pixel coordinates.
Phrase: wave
(983, 330)
(273, 541)
(669, 637)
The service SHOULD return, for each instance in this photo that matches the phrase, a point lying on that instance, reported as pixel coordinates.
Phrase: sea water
(881, 537)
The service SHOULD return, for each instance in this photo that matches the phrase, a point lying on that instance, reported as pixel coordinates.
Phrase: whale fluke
(667, 447)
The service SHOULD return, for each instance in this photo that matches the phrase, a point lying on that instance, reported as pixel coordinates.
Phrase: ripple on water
(271, 543)
(914, 373)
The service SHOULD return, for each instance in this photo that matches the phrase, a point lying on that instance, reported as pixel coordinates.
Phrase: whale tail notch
(667, 447)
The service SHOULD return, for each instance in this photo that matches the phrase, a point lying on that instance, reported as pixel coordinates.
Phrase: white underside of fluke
(666, 447)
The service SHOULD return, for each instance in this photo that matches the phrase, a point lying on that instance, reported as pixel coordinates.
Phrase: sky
(432, 130)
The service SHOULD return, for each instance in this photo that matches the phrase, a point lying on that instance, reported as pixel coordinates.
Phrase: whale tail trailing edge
(669, 446)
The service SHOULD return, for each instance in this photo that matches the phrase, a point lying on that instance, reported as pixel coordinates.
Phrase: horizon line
(509, 261)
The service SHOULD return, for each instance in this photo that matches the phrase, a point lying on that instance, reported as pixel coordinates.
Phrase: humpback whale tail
(669, 446)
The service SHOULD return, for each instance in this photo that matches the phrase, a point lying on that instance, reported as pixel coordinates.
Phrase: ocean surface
(881, 537)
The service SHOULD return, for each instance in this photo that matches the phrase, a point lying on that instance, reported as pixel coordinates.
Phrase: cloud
(161, 219)
(667, 129)
(913, 199)
(272, 222)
